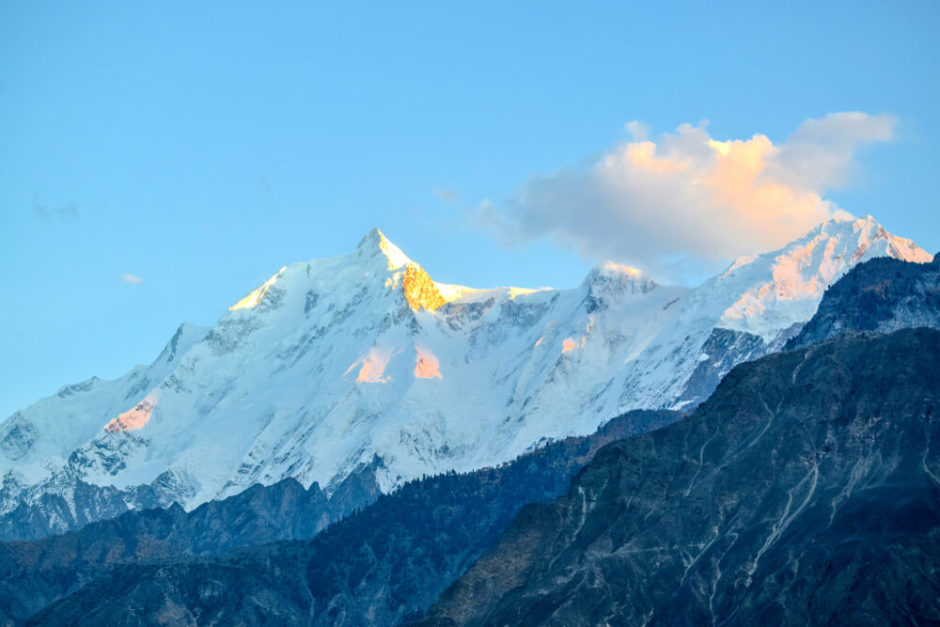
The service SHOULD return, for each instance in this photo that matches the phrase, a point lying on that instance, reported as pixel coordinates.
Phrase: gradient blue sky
(201, 146)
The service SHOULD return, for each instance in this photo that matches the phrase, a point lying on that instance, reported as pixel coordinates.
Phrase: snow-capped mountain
(362, 360)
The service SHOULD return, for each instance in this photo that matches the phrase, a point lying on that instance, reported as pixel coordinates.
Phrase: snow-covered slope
(332, 363)
(752, 308)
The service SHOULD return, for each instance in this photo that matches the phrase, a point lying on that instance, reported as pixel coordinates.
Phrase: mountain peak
(266, 393)
(865, 233)
(420, 291)
(375, 243)
(875, 241)
(786, 285)
(618, 276)
(611, 281)
(619, 270)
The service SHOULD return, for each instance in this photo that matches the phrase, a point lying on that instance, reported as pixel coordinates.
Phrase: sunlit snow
(427, 365)
(135, 418)
(256, 296)
(289, 388)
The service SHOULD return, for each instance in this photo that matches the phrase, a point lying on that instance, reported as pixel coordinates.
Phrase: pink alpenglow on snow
(135, 418)
(372, 366)
(427, 365)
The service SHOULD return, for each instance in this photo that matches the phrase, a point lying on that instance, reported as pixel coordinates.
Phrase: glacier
(363, 361)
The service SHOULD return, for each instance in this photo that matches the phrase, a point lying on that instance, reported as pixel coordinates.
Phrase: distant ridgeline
(805, 490)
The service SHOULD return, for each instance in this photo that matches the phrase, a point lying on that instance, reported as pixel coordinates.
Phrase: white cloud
(688, 199)
(133, 279)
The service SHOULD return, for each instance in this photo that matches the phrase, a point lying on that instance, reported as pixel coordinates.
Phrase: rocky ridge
(805, 490)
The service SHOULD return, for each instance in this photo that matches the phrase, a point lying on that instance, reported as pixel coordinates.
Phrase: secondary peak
(619, 277)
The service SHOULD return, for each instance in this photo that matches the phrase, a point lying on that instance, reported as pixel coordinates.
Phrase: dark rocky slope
(879, 295)
(805, 490)
(48, 514)
(34, 574)
(377, 566)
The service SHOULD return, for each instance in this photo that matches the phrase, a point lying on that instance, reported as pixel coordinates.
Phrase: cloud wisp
(687, 199)
(68, 211)
(449, 196)
(133, 279)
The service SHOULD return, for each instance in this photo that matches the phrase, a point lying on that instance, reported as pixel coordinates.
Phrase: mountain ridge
(441, 524)
(880, 295)
(833, 411)
(331, 362)
(804, 491)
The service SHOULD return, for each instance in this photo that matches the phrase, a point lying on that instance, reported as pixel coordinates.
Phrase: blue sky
(201, 148)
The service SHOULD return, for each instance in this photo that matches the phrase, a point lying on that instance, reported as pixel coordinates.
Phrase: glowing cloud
(619, 268)
(372, 366)
(426, 365)
(686, 199)
(135, 418)
(133, 279)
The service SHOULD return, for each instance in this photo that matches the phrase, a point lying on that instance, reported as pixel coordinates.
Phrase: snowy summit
(362, 360)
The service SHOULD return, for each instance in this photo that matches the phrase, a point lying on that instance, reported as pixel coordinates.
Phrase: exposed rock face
(805, 490)
(721, 352)
(879, 295)
(420, 291)
(385, 563)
